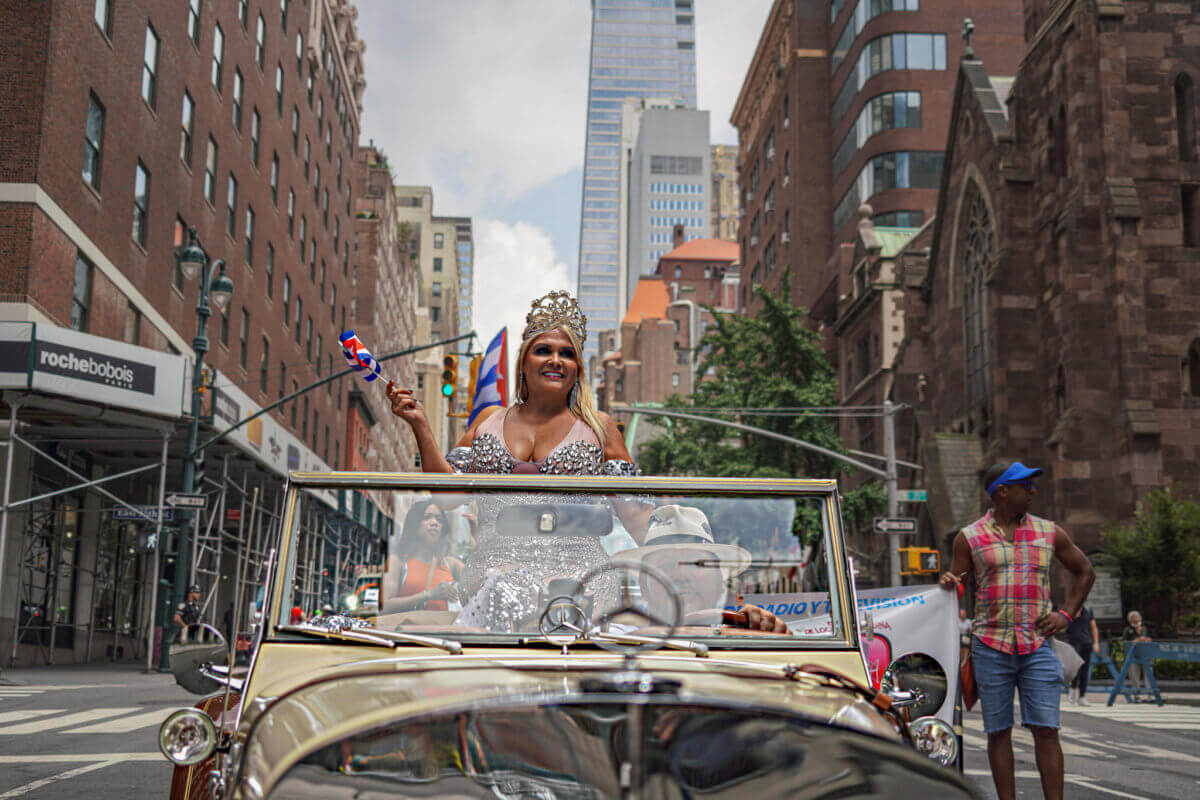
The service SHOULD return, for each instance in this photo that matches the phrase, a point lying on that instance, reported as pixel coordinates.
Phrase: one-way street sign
(187, 500)
(895, 525)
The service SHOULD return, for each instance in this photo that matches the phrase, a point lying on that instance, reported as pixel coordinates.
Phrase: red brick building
(1056, 317)
(847, 102)
(122, 124)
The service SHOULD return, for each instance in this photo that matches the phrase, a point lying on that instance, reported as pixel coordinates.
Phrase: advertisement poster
(907, 619)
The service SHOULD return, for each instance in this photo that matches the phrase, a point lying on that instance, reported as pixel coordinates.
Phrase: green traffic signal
(447, 389)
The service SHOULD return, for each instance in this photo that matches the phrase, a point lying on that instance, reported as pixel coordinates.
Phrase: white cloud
(727, 33)
(514, 264)
(482, 100)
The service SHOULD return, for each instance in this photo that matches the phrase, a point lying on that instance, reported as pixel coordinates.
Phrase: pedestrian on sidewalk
(1135, 631)
(1009, 551)
(1084, 636)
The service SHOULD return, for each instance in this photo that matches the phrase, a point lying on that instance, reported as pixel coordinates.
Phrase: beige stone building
(724, 192)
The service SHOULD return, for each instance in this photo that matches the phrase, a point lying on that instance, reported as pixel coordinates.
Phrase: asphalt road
(91, 732)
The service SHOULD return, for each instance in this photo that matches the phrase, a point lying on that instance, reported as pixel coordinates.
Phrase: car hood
(343, 700)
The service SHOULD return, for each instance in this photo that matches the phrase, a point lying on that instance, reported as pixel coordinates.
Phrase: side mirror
(916, 681)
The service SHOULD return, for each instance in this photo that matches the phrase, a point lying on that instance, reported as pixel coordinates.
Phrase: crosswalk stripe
(127, 724)
(77, 718)
(17, 716)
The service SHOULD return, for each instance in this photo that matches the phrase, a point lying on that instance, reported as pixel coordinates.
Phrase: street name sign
(912, 495)
(187, 500)
(895, 525)
(121, 512)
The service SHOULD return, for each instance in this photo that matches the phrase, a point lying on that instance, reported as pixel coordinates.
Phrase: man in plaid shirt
(1009, 551)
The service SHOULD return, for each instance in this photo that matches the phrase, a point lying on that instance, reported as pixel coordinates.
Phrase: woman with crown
(552, 428)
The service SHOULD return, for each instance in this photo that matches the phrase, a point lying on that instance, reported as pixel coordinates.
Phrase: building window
(270, 269)
(303, 236)
(262, 365)
(1189, 196)
(299, 55)
(291, 211)
(102, 14)
(133, 324)
(255, 130)
(179, 239)
(237, 99)
(210, 172)
(308, 340)
(437, 288)
(141, 203)
(880, 113)
(308, 86)
(187, 126)
(435, 313)
(193, 22)
(900, 170)
(244, 340)
(332, 302)
(978, 250)
(307, 151)
(282, 379)
(895, 51)
(316, 183)
(93, 140)
(299, 317)
(81, 293)
(283, 9)
(231, 207)
(287, 298)
(1185, 116)
(1192, 369)
(218, 59)
(243, 10)
(279, 89)
(675, 379)
(225, 328)
(260, 41)
(437, 264)
(150, 67)
(249, 235)
(295, 388)
(439, 240)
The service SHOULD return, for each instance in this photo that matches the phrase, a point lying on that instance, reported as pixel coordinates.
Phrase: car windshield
(490, 563)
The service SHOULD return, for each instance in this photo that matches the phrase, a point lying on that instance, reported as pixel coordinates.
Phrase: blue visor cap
(1015, 473)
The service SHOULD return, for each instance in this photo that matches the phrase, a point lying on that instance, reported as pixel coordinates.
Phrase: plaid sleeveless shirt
(1012, 581)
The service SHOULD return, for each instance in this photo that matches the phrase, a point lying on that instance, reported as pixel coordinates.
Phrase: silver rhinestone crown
(555, 309)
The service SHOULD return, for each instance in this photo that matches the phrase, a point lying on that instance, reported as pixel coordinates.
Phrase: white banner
(907, 619)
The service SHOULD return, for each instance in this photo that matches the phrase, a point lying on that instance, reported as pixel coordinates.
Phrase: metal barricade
(1145, 654)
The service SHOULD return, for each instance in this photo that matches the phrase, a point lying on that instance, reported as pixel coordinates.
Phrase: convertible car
(563, 637)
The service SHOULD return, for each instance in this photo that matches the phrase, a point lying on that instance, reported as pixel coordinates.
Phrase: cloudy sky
(486, 100)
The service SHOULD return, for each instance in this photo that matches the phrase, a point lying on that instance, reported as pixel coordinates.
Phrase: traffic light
(449, 376)
(476, 362)
(919, 561)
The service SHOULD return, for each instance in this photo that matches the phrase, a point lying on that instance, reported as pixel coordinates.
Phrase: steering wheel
(638, 614)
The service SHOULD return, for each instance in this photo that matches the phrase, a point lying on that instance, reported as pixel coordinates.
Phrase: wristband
(1065, 614)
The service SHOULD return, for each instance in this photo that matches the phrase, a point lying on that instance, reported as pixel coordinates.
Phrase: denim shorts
(1038, 676)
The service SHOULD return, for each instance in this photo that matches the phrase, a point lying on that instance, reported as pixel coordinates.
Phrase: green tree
(769, 360)
(1157, 553)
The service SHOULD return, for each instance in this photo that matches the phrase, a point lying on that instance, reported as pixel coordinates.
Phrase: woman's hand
(444, 591)
(406, 407)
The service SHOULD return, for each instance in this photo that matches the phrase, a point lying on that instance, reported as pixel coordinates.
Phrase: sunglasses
(1028, 485)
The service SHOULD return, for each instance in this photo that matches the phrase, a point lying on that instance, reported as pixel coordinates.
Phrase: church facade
(1055, 316)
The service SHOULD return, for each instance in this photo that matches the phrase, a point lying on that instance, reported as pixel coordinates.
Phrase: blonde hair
(585, 400)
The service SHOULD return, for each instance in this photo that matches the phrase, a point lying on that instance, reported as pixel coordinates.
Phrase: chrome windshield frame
(843, 616)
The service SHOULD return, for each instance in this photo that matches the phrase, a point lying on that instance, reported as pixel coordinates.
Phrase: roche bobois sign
(91, 368)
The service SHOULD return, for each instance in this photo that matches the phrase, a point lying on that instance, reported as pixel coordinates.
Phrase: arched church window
(978, 257)
(1185, 115)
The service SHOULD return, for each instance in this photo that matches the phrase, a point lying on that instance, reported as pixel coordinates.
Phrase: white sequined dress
(503, 575)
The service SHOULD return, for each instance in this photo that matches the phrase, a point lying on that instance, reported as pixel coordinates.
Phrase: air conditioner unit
(753, 243)
(786, 122)
(785, 237)
(787, 179)
(770, 153)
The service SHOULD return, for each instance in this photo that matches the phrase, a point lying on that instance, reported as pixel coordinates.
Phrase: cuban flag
(491, 387)
(359, 357)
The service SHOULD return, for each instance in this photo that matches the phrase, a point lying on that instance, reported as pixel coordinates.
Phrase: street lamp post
(215, 286)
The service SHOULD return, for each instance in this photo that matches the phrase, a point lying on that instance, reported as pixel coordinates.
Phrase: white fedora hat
(676, 527)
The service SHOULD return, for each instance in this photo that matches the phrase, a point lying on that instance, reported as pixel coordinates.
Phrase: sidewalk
(124, 674)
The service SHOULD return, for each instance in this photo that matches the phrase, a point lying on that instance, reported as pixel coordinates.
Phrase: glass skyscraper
(640, 48)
